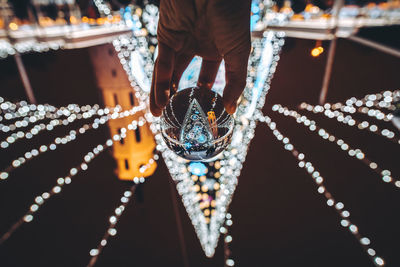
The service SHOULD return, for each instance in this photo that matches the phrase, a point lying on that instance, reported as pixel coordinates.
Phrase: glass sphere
(195, 125)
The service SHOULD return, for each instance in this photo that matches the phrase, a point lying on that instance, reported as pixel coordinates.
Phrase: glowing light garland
(383, 99)
(49, 126)
(67, 138)
(357, 153)
(262, 65)
(348, 120)
(321, 188)
(265, 53)
(62, 181)
(227, 240)
(113, 220)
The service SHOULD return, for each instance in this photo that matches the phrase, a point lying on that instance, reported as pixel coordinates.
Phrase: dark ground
(279, 218)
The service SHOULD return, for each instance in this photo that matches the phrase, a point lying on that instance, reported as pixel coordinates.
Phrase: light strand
(383, 99)
(113, 219)
(228, 260)
(62, 181)
(351, 152)
(48, 127)
(322, 190)
(350, 121)
(29, 155)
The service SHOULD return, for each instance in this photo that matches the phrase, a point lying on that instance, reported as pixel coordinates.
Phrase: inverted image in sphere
(195, 125)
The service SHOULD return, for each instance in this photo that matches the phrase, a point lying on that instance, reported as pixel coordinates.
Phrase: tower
(136, 149)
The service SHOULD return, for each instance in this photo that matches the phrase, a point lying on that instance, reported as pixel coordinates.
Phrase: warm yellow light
(13, 26)
(73, 20)
(217, 165)
(204, 188)
(315, 52)
(195, 177)
(217, 175)
(213, 203)
(138, 11)
(202, 178)
(85, 19)
(205, 196)
(100, 21)
(216, 186)
(196, 188)
(207, 212)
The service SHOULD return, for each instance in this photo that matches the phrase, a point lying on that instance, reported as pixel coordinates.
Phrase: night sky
(279, 219)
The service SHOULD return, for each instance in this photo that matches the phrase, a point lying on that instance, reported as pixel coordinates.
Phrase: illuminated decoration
(356, 153)
(41, 127)
(318, 49)
(348, 120)
(380, 100)
(62, 181)
(262, 64)
(66, 139)
(189, 132)
(227, 241)
(215, 189)
(113, 220)
(322, 190)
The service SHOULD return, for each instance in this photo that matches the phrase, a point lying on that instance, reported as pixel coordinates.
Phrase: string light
(29, 155)
(318, 49)
(49, 126)
(383, 99)
(322, 190)
(113, 219)
(62, 181)
(227, 241)
(351, 152)
(350, 121)
(262, 65)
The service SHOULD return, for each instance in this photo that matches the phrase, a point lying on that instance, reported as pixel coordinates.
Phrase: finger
(163, 74)
(208, 72)
(181, 63)
(235, 77)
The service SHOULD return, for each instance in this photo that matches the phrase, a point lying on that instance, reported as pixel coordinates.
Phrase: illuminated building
(134, 151)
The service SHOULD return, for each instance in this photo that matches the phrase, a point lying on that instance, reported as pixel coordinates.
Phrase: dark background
(279, 218)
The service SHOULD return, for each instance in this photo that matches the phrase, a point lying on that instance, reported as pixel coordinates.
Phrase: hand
(221, 31)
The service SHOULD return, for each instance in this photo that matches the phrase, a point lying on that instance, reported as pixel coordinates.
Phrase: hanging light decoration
(386, 175)
(113, 220)
(27, 156)
(207, 197)
(315, 175)
(62, 181)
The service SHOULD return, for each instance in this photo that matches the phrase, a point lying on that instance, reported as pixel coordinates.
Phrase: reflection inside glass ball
(195, 125)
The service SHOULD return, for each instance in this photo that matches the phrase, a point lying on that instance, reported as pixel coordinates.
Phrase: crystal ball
(195, 125)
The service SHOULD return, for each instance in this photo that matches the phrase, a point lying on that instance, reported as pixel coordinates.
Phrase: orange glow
(85, 19)
(318, 49)
(13, 26)
(73, 20)
(315, 52)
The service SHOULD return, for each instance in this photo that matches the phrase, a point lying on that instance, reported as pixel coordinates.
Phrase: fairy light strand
(383, 99)
(29, 155)
(35, 113)
(350, 121)
(338, 206)
(46, 127)
(228, 260)
(113, 219)
(386, 175)
(62, 181)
